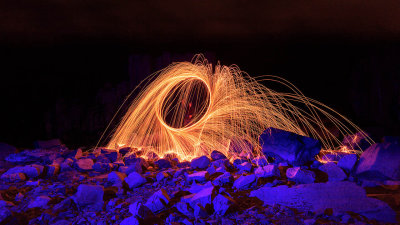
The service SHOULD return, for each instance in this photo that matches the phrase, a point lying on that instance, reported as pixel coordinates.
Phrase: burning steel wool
(193, 108)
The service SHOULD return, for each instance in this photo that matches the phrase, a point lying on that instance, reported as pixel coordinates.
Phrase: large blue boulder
(287, 146)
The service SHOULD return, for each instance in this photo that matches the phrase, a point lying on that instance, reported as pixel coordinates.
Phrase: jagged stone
(162, 175)
(222, 203)
(89, 197)
(260, 161)
(199, 211)
(163, 164)
(14, 177)
(380, 161)
(221, 163)
(130, 221)
(348, 162)
(300, 176)
(267, 171)
(39, 202)
(339, 196)
(141, 211)
(31, 171)
(195, 188)
(200, 176)
(335, 173)
(224, 179)
(135, 180)
(203, 197)
(201, 162)
(246, 166)
(52, 170)
(158, 201)
(245, 182)
(112, 156)
(185, 209)
(217, 155)
(287, 146)
(102, 167)
(116, 177)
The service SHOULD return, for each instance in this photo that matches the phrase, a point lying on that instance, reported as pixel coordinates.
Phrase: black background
(66, 66)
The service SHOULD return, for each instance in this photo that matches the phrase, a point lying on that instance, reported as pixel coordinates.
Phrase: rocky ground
(61, 186)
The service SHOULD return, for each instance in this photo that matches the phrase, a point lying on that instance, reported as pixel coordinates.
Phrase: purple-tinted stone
(158, 201)
(112, 156)
(163, 164)
(135, 180)
(341, 196)
(84, 164)
(335, 173)
(300, 176)
(357, 141)
(245, 182)
(260, 161)
(222, 203)
(380, 161)
(89, 197)
(200, 176)
(201, 162)
(124, 151)
(223, 179)
(287, 146)
(267, 171)
(246, 166)
(217, 155)
(102, 167)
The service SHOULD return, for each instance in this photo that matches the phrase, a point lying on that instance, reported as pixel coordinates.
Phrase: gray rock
(141, 211)
(116, 177)
(224, 179)
(39, 201)
(340, 196)
(135, 180)
(267, 171)
(222, 203)
(201, 162)
(84, 164)
(89, 197)
(200, 176)
(217, 155)
(158, 201)
(287, 146)
(380, 161)
(300, 176)
(245, 182)
(130, 221)
(335, 173)
(348, 162)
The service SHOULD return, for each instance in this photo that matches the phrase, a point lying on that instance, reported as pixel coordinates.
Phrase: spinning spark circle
(190, 110)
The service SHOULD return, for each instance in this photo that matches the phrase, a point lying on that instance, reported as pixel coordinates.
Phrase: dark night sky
(343, 53)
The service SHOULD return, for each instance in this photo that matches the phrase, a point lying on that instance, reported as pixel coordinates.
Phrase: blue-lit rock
(348, 162)
(130, 221)
(380, 161)
(40, 202)
(335, 173)
(135, 180)
(163, 164)
(217, 155)
(300, 176)
(224, 179)
(203, 197)
(158, 201)
(200, 176)
(185, 209)
(246, 166)
(141, 211)
(199, 211)
(267, 171)
(287, 146)
(201, 162)
(222, 203)
(340, 196)
(89, 197)
(245, 182)
(116, 177)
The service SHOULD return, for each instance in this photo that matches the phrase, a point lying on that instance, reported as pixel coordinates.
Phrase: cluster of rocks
(287, 186)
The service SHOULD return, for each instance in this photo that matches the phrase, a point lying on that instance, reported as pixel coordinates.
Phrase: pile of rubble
(288, 186)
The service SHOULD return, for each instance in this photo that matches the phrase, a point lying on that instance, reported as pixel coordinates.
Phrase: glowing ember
(192, 109)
